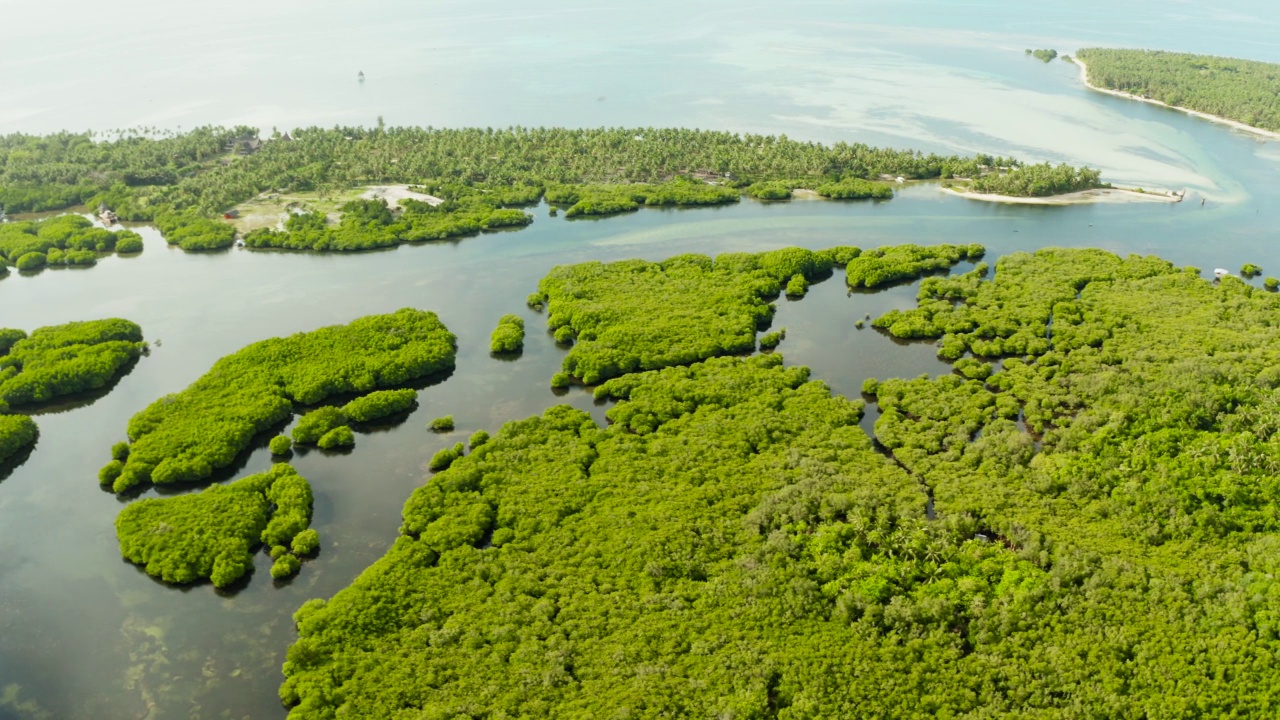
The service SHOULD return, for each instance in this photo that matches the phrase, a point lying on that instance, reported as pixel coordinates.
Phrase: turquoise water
(87, 635)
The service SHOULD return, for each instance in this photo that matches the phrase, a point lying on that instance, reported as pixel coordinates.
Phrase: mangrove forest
(1080, 519)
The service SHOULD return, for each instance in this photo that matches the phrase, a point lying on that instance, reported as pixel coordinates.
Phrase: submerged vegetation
(1088, 526)
(212, 534)
(65, 359)
(186, 436)
(1240, 90)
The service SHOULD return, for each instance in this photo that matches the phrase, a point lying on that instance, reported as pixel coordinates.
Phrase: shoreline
(1082, 197)
(1084, 78)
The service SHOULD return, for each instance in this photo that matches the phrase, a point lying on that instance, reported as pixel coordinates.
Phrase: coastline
(1084, 78)
(1083, 197)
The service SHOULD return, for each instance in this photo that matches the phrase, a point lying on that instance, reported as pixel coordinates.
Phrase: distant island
(352, 189)
(1240, 93)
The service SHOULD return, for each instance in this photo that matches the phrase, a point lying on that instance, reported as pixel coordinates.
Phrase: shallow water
(88, 635)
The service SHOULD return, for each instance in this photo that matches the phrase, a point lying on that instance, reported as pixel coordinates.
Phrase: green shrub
(380, 404)
(31, 261)
(193, 233)
(1249, 270)
(1038, 181)
(442, 424)
(108, 473)
(285, 566)
(973, 369)
(128, 242)
(186, 436)
(1271, 283)
(120, 451)
(68, 359)
(478, 438)
(855, 189)
(771, 190)
(875, 268)
(306, 543)
(281, 445)
(443, 459)
(212, 534)
(634, 315)
(797, 286)
(9, 337)
(773, 339)
(317, 423)
(508, 337)
(17, 433)
(339, 437)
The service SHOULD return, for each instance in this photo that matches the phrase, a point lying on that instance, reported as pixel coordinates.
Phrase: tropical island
(54, 363)
(1240, 93)
(188, 436)
(1048, 184)
(325, 189)
(1063, 523)
(212, 534)
(61, 241)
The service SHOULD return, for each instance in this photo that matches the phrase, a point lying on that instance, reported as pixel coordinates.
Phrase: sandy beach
(394, 194)
(1084, 77)
(1084, 197)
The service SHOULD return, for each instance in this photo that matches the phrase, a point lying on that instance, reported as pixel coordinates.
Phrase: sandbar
(1083, 197)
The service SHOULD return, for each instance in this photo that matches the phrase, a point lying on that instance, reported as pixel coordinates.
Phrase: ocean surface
(86, 635)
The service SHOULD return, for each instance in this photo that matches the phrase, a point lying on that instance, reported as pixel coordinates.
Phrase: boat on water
(107, 217)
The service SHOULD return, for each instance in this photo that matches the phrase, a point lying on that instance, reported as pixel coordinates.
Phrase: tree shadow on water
(8, 466)
(76, 401)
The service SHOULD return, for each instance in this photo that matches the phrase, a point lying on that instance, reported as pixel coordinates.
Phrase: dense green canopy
(182, 182)
(17, 433)
(65, 359)
(212, 534)
(896, 263)
(62, 240)
(370, 224)
(1240, 90)
(617, 198)
(508, 336)
(635, 315)
(561, 570)
(1088, 529)
(186, 436)
(1038, 181)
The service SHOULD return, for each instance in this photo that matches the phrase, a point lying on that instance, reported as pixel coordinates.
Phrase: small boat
(1219, 273)
(107, 217)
